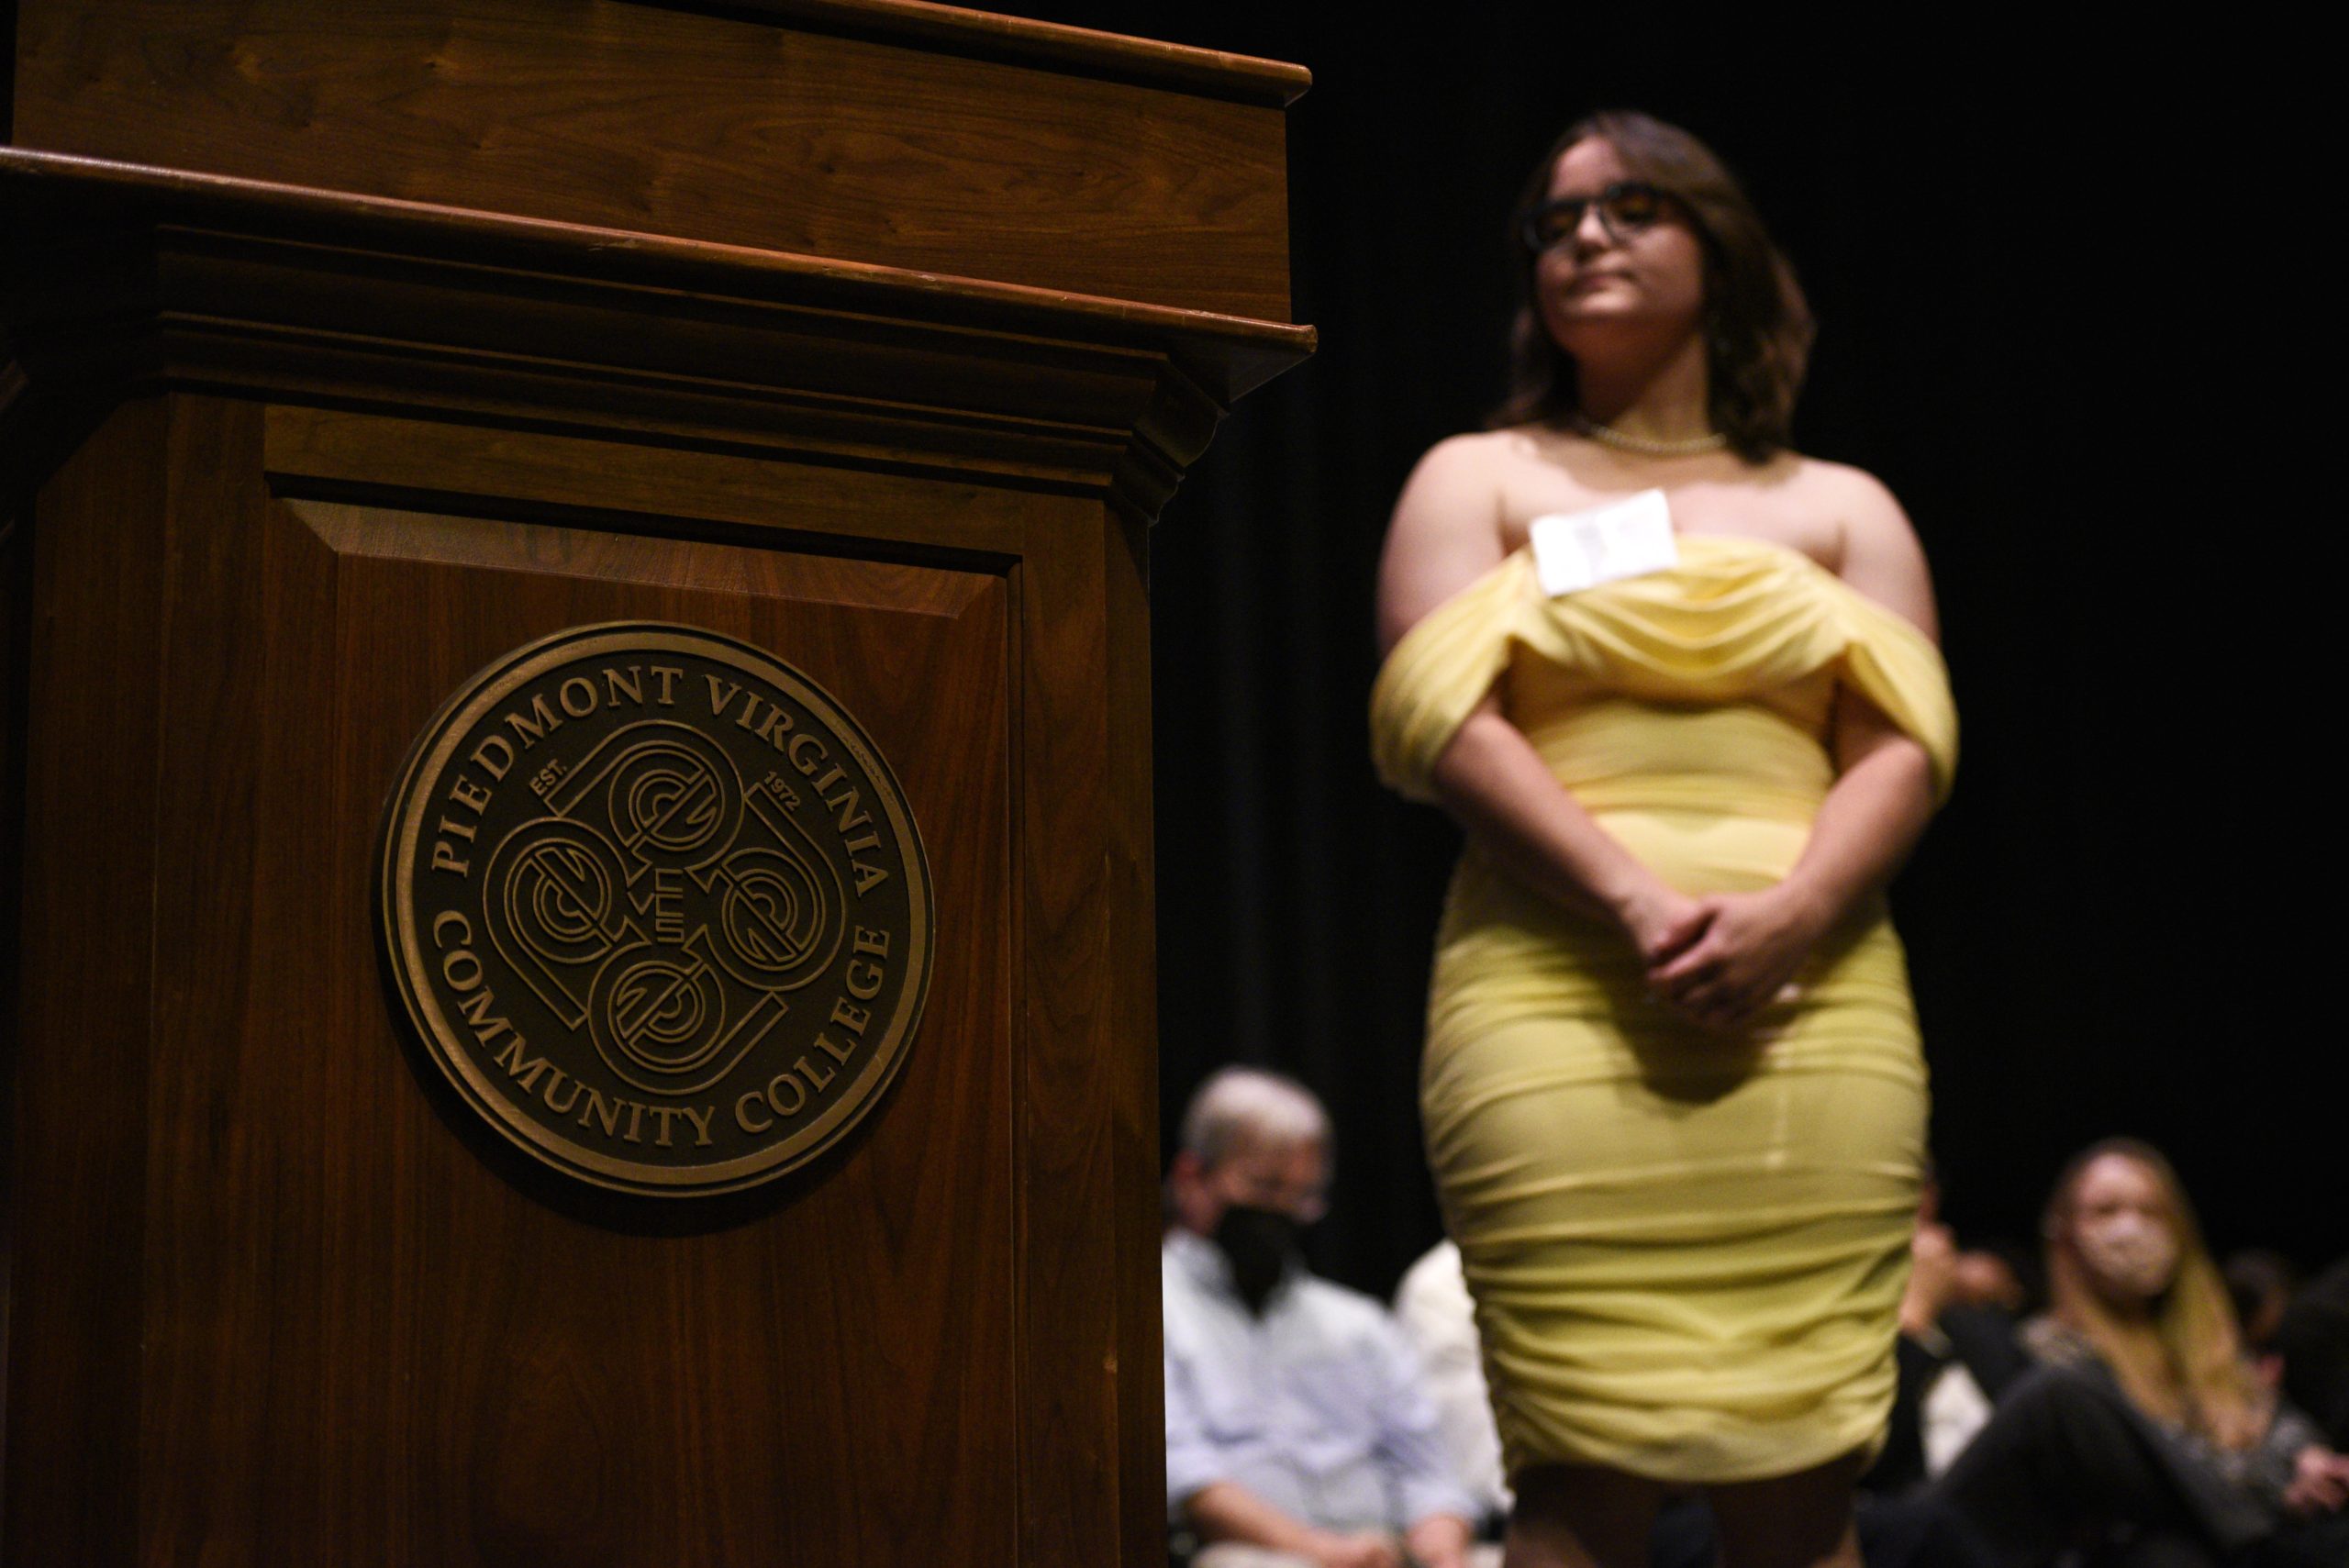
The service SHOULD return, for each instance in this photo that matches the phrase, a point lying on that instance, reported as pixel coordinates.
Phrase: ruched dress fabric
(1687, 1250)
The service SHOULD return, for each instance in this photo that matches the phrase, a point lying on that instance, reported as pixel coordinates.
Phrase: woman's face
(2121, 1229)
(1594, 279)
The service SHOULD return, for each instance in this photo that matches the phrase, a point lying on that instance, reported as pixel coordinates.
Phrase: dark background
(2060, 315)
(2072, 312)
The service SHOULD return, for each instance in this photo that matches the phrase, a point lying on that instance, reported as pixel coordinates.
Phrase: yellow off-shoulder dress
(1686, 1253)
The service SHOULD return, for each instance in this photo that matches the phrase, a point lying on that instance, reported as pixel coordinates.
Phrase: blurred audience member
(1955, 1356)
(2312, 1338)
(1990, 1277)
(1298, 1432)
(2143, 1434)
(2260, 1286)
(1434, 1310)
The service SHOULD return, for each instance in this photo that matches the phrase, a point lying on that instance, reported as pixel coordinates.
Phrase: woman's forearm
(1501, 792)
(1871, 819)
(1753, 944)
(1224, 1510)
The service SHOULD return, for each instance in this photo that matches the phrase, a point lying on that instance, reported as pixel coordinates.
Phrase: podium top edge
(304, 214)
(1247, 77)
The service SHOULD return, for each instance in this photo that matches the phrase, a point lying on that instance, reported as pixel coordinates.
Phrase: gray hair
(1241, 1104)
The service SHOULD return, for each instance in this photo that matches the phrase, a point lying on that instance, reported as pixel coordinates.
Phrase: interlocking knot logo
(656, 907)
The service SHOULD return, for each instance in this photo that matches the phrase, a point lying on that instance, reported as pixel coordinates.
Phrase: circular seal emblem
(656, 907)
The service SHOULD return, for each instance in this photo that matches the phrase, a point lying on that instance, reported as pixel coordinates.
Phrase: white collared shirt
(1317, 1408)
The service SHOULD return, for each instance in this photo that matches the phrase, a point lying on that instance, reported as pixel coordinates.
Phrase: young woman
(2145, 1436)
(1673, 1093)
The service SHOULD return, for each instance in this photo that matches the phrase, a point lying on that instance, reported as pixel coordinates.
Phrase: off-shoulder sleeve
(1439, 672)
(1734, 617)
(1898, 668)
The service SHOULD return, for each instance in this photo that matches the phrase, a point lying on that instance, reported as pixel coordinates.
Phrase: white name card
(1573, 551)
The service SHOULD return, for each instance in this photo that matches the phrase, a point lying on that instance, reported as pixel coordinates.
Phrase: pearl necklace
(1645, 446)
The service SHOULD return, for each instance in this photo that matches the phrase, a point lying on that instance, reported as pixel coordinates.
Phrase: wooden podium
(350, 349)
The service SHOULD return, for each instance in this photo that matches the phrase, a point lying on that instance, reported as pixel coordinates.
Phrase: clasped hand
(1437, 1542)
(1720, 958)
(1358, 1549)
(2320, 1482)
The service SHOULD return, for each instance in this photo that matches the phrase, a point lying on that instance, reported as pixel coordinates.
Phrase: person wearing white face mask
(2122, 1233)
(2145, 1431)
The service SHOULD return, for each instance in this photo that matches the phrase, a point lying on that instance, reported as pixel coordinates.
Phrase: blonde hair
(2191, 1373)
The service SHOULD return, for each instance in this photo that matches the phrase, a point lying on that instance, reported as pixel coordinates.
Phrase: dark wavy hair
(1757, 326)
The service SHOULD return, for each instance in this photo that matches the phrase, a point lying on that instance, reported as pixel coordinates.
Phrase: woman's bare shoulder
(1878, 552)
(1447, 527)
(1846, 492)
(1457, 484)
(1478, 452)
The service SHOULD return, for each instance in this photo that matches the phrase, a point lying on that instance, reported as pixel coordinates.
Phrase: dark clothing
(2313, 1340)
(2069, 1463)
(1913, 1532)
(2308, 1544)
(1919, 1533)
(1979, 1338)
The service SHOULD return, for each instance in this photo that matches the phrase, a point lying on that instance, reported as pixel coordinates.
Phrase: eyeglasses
(1263, 1187)
(1626, 208)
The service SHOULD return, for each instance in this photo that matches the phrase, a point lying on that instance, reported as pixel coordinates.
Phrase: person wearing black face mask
(1298, 1434)
(1259, 1246)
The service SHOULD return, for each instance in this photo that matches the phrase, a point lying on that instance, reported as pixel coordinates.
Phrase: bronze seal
(656, 907)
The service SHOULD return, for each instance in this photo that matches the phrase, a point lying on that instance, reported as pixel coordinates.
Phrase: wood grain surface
(132, 276)
(1112, 56)
(356, 1340)
(890, 134)
(867, 331)
(81, 1070)
(1087, 1416)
